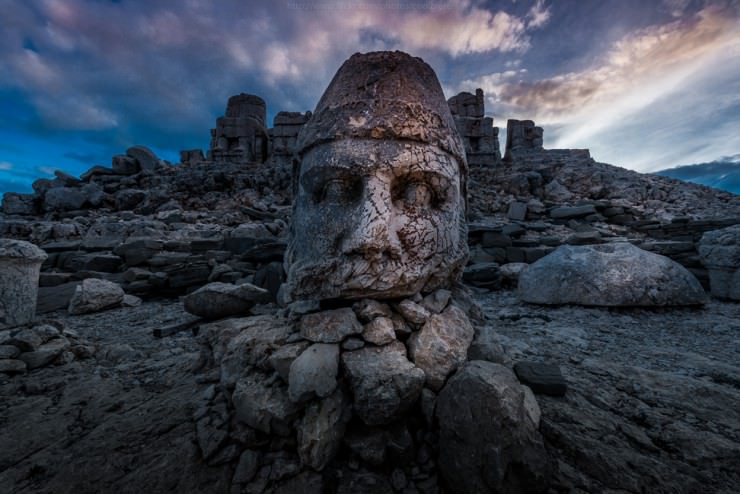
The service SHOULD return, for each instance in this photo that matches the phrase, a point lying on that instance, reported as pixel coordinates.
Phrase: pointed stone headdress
(384, 95)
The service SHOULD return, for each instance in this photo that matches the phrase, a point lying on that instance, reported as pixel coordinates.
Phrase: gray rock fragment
(379, 331)
(330, 326)
(384, 383)
(216, 300)
(94, 295)
(321, 430)
(441, 345)
(266, 408)
(488, 440)
(314, 372)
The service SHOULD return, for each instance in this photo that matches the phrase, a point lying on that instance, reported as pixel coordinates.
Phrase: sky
(644, 84)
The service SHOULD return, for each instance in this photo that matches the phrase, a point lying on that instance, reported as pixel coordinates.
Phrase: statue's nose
(374, 233)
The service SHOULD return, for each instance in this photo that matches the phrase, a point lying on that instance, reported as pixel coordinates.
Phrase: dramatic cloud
(538, 15)
(81, 80)
(101, 65)
(646, 68)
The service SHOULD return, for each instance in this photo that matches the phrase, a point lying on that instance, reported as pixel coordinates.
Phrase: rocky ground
(653, 396)
(652, 401)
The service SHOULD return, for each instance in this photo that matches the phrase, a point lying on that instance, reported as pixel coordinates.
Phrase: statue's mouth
(357, 276)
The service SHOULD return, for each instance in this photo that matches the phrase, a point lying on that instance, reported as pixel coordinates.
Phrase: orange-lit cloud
(642, 68)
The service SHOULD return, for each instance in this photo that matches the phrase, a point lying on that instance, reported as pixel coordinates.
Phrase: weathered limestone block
(192, 156)
(522, 135)
(441, 346)
(285, 130)
(720, 254)
(413, 312)
(489, 440)
(321, 430)
(46, 353)
(368, 309)
(381, 197)
(20, 264)
(241, 135)
(240, 344)
(94, 295)
(266, 408)
(379, 331)
(477, 130)
(64, 199)
(144, 156)
(125, 165)
(385, 384)
(330, 326)
(618, 274)
(216, 300)
(314, 372)
(282, 358)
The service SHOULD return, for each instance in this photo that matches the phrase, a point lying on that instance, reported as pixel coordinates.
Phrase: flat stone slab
(568, 212)
(541, 377)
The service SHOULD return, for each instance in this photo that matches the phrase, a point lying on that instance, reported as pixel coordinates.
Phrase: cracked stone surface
(380, 191)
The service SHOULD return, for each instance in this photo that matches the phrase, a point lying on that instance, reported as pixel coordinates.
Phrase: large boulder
(611, 275)
(720, 254)
(488, 438)
(216, 300)
(94, 295)
(144, 156)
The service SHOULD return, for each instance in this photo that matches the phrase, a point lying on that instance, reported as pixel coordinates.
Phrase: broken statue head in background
(380, 186)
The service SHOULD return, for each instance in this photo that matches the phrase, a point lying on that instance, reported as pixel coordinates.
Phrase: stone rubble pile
(353, 390)
(41, 344)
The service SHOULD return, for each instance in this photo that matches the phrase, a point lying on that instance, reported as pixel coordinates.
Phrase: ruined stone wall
(477, 130)
(522, 135)
(283, 134)
(241, 135)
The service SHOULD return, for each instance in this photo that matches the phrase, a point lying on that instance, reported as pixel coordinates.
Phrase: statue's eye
(334, 191)
(417, 194)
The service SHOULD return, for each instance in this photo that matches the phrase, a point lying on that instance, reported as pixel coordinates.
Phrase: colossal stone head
(380, 186)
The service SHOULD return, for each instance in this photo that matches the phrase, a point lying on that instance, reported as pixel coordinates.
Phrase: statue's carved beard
(372, 275)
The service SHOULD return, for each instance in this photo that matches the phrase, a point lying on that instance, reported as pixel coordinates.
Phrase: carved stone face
(378, 218)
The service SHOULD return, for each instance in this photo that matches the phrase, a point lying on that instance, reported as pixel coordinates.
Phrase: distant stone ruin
(284, 132)
(241, 134)
(477, 130)
(522, 135)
